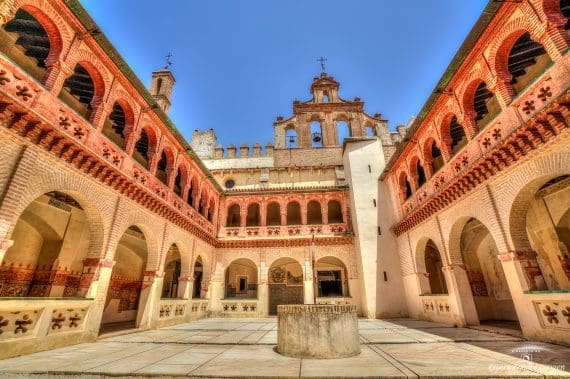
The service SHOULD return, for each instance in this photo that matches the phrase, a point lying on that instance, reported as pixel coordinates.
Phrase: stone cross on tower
(168, 61)
(322, 60)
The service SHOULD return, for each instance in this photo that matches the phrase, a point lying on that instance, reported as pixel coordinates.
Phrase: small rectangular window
(379, 230)
(374, 202)
(369, 169)
(385, 276)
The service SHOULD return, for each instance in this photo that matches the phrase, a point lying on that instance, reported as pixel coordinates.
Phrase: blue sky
(238, 64)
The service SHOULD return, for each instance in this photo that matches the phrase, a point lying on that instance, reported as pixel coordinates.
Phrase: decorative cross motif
(528, 106)
(74, 320)
(23, 92)
(22, 324)
(78, 133)
(545, 93)
(486, 142)
(57, 321)
(496, 133)
(64, 122)
(550, 314)
(322, 61)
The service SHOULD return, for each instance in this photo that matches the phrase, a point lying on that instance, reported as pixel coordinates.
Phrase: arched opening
(122, 303)
(178, 183)
(343, 131)
(285, 279)
(140, 153)
(405, 187)
(314, 214)
(78, 91)
(527, 59)
(332, 278)
(25, 41)
(233, 219)
(172, 268)
(334, 212)
(485, 105)
(192, 188)
(241, 279)
(434, 266)
(273, 214)
(436, 157)
(114, 127)
(325, 97)
(161, 168)
(253, 216)
(203, 203)
(420, 173)
(51, 241)
(316, 134)
(487, 280)
(293, 213)
(211, 209)
(198, 276)
(158, 85)
(290, 137)
(547, 222)
(370, 131)
(457, 136)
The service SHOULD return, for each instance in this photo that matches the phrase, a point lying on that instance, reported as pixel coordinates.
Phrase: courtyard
(220, 347)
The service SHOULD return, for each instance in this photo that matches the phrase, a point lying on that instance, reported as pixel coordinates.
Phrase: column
(94, 284)
(460, 295)
(149, 298)
(308, 284)
(263, 290)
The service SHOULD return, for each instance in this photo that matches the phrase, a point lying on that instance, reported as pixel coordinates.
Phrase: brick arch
(346, 261)
(551, 9)
(427, 146)
(97, 207)
(231, 257)
(170, 154)
(445, 129)
(56, 28)
(502, 44)
(297, 260)
(467, 104)
(177, 238)
(520, 190)
(419, 253)
(134, 218)
(94, 67)
(152, 139)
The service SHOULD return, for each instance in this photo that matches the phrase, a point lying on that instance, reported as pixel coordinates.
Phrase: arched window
(316, 134)
(140, 153)
(433, 156)
(485, 105)
(434, 269)
(326, 98)
(421, 173)
(335, 212)
(25, 41)
(293, 213)
(314, 214)
(202, 203)
(78, 91)
(527, 60)
(197, 284)
(114, 127)
(192, 188)
(457, 134)
(233, 219)
(343, 131)
(172, 269)
(290, 138)
(158, 85)
(161, 167)
(405, 186)
(211, 209)
(178, 183)
(252, 218)
(273, 214)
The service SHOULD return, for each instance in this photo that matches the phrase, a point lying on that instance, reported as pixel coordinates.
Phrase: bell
(316, 137)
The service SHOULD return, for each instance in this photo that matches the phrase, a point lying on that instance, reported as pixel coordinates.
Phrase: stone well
(317, 331)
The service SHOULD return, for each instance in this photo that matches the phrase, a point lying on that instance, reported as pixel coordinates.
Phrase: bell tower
(161, 87)
(325, 89)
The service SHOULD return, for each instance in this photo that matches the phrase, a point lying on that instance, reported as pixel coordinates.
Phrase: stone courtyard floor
(245, 348)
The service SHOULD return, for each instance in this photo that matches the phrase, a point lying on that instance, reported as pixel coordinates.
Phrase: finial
(168, 61)
(322, 60)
